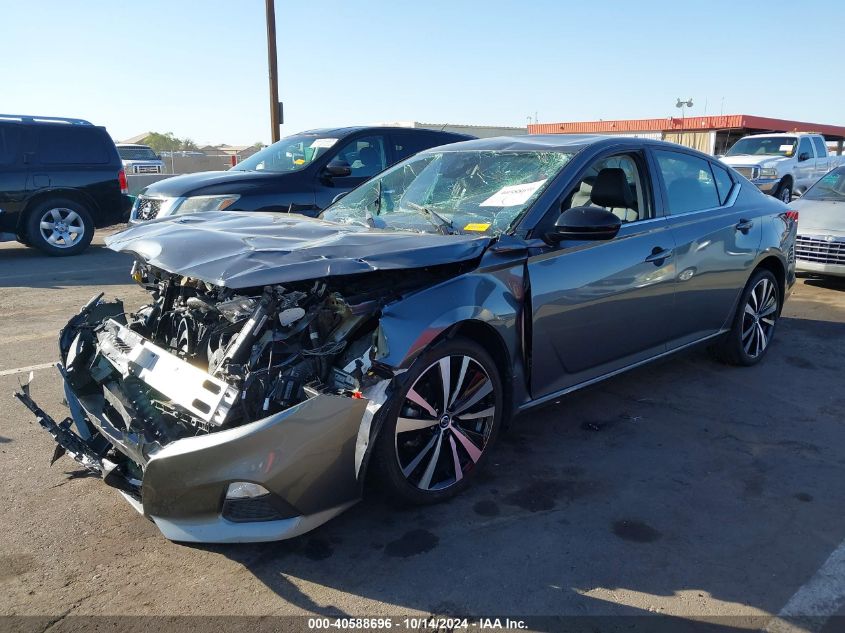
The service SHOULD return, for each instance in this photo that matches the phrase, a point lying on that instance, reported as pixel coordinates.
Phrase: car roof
(567, 143)
(340, 132)
(538, 142)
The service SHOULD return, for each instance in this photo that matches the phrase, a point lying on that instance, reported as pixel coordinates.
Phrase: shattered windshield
(451, 191)
(292, 153)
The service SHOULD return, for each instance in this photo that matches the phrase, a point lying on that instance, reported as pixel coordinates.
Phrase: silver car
(283, 360)
(820, 245)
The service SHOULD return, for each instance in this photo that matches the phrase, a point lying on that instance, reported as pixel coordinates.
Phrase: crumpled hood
(241, 250)
(752, 159)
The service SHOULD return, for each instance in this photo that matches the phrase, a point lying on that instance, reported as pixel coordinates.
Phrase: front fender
(410, 325)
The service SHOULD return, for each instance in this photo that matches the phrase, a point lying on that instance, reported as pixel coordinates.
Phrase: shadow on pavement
(24, 267)
(831, 283)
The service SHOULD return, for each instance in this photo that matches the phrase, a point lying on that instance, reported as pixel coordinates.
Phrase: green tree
(168, 142)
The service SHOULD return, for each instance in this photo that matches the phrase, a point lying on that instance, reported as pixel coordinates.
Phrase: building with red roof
(711, 134)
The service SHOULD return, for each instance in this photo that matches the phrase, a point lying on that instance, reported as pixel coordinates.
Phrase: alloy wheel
(445, 422)
(786, 195)
(758, 320)
(61, 227)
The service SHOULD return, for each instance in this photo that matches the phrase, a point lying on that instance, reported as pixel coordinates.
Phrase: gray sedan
(282, 361)
(820, 245)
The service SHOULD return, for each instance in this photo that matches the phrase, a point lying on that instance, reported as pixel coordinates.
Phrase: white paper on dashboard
(323, 142)
(513, 194)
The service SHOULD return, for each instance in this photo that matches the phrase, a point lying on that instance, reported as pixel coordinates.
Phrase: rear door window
(71, 146)
(821, 150)
(690, 185)
(9, 144)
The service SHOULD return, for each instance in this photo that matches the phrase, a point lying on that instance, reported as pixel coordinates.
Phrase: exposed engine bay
(243, 400)
(201, 358)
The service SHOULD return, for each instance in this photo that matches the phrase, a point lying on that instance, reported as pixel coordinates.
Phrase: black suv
(59, 179)
(302, 173)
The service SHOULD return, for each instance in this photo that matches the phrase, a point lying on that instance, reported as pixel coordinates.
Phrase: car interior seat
(581, 198)
(612, 192)
(370, 163)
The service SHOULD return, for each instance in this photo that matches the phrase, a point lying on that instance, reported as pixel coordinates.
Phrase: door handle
(658, 255)
(744, 226)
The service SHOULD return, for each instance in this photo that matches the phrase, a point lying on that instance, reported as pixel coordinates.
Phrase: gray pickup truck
(139, 159)
(781, 164)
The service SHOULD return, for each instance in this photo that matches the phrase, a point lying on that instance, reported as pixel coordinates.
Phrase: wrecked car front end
(244, 402)
(233, 413)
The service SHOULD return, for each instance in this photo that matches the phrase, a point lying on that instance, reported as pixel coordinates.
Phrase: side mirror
(586, 223)
(803, 156)
(338, 169)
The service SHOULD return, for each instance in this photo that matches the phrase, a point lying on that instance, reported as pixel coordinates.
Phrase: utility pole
(273, 71)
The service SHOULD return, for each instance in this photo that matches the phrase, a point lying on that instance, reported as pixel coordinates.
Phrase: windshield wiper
(368, 216)
(443, 225)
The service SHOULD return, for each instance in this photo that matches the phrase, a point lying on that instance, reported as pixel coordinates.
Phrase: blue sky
(199, 68)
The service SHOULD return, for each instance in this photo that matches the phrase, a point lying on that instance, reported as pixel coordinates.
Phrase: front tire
(784, 192)
(60, 227)
(754, 323)
(439, 424)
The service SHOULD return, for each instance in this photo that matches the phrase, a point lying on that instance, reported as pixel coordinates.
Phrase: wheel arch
(777, 268)
(43, 196)
(485, 308)
(486, 335)
(470, 329)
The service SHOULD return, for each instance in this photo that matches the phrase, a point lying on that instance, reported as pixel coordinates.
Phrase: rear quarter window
(724, 182)
(72, 146)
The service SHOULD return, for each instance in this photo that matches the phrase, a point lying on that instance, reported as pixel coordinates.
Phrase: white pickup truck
(781, 164)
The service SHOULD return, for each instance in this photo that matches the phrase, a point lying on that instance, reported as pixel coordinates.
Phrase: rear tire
(437, 448)
(754, 323)
(60, 227)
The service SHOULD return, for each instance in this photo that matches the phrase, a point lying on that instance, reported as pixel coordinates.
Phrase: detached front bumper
(304, 456)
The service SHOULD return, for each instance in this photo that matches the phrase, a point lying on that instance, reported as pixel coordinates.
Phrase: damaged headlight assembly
(201, 204)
